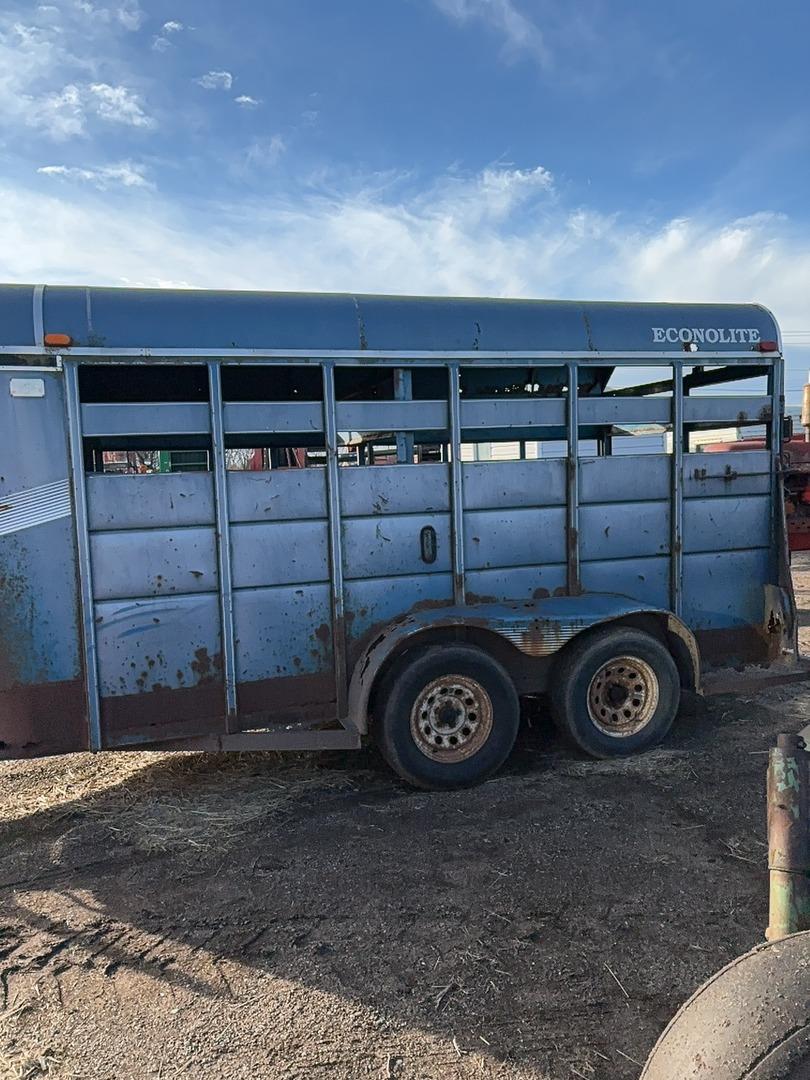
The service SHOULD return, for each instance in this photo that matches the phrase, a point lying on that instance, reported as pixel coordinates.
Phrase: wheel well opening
(517, 664)
(656, 624)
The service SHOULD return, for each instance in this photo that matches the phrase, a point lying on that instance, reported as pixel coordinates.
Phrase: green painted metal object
(789, 837)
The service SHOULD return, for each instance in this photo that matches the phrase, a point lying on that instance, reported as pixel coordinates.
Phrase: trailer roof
(156, 319)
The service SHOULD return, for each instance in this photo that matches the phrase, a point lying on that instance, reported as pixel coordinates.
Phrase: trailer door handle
(427, 542)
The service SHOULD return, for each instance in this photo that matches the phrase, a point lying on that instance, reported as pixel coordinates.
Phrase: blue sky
(601, 149)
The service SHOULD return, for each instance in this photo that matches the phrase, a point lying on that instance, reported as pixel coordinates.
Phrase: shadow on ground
(304, 917)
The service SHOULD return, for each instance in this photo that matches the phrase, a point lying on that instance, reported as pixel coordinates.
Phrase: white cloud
(162, 41)
(216, 80)
(127, 13)
(32, 58)
(246, 101)
(264, 153)
(519, 32)
(118, 105)
(60, 114)
(503, 232)
(124, 174)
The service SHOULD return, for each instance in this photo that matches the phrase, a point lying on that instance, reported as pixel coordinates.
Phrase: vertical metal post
(403, 391)
(223, 527)
(79, 482)
(676, 500)
(788, 837)
(335, 538)
(456, 484)
(776, 394)
(572, 483)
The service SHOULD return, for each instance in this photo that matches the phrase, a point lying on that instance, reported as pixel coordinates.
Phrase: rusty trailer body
(245, 607)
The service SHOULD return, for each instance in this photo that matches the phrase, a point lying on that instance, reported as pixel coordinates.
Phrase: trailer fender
(537, 628)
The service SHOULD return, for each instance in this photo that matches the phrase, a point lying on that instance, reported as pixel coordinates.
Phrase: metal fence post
(676, 500)
(572, 483)
(789, 837)
(335, 538)
(223, 528)
(456, 484)
(79, 482)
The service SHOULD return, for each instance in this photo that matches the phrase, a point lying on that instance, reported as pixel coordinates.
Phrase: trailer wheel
(615, 692)
(446, 716)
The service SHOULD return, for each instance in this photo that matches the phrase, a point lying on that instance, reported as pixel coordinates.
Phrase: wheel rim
(451, 718)
(623, 696)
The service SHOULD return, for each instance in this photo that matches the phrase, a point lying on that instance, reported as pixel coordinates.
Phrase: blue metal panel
(734, 409)
(516, 583)
(279, 553)
(394, 489)
(166, 318)
(727, 523)
(611, 479)
(392, 416)
(169, 642)
(16, 314)
(624, 530)
(152, 419)
(282, 632)
(523, 537)
(722, 590)
(40, 659)
(162, 318)
(744, 472)
(645, 580)
(511, 413)
(150, 501)
(153, 563)
(490, 485)
(377, 547)
(278, 417)
(373, 602)
(624, 410)
(277, 495)
(39, 637)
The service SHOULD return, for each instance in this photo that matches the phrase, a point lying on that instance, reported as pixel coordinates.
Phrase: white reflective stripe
(34, 506)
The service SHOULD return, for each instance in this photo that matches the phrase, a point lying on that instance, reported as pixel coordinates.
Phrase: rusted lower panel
(288, 698)
(44, 718)
(163, 714)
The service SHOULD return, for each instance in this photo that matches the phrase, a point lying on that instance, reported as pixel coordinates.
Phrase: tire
(446, 716)
(750, 1021)
(615, 692)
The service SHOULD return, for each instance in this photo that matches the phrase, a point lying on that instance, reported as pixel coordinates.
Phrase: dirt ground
(173, 915)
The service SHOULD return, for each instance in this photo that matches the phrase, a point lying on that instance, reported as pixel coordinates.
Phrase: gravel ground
(173, 915)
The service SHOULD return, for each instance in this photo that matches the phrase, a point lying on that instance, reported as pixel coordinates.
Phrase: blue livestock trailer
(268, 520)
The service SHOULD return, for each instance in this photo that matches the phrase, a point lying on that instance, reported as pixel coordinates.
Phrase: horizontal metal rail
(395, 357)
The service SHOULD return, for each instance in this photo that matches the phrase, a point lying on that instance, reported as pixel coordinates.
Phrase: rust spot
(206, 667)
(560, 591)
(426, 605)
(541, 594)
(323, 633)
(479, 598)
(533, 641)
(27, 719)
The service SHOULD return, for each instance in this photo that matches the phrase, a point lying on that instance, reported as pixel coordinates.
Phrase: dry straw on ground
(162, 801)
